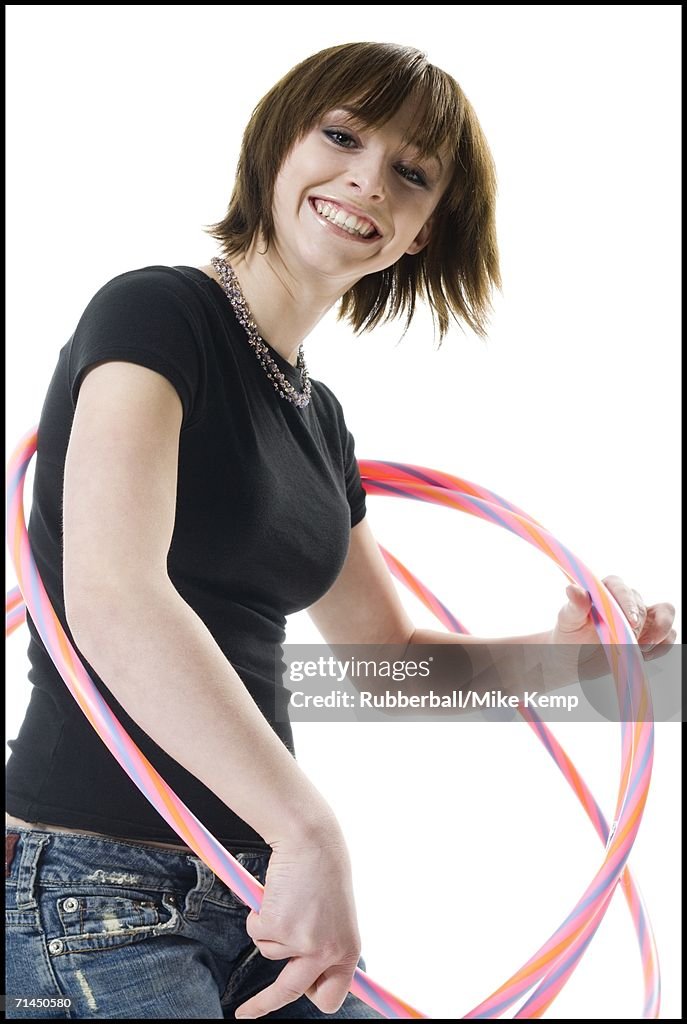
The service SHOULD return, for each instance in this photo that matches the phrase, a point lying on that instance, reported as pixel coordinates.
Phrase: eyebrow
(354, 113)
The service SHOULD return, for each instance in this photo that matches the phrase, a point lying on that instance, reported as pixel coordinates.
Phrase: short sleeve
(146, 317)
(354, 487)
(355, 492)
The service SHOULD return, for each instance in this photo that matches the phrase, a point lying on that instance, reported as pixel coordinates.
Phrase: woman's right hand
(307, 914)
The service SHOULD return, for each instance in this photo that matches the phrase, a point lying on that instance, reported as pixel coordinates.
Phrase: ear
(422, 238)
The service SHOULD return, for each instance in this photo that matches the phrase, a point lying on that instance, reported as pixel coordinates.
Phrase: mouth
(352, 228)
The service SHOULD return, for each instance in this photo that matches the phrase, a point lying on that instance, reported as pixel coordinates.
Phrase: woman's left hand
(652, 624)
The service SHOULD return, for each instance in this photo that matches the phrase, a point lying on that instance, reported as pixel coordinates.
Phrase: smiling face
(340, 181)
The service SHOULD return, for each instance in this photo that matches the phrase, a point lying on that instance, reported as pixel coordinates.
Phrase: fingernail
(634, 616)
(645, 647)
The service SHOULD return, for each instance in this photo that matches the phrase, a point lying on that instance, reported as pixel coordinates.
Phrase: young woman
(194, 486)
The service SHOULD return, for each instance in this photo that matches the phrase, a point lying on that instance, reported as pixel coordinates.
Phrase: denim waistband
(55, 859)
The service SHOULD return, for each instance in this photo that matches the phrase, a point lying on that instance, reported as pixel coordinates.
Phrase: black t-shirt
(267, 494)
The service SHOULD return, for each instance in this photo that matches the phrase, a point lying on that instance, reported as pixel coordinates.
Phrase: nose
(366, 175)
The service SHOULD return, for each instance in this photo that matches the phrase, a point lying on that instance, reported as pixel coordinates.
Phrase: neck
(285, 308)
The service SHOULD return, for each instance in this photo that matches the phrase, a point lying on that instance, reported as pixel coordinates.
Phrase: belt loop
(32, 844)
(205, 879)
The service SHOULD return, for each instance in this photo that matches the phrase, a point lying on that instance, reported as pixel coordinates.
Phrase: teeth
(348, 221)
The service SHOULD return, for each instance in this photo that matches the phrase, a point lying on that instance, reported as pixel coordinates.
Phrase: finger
(658, 623)
(638, 606)
(264, 933)
(331, 988)
(574, 614)
(262, 927)
(613, 581)
(663, 615)
(632, 606)
(623, 593)
(299, 975)
(659, 649)
(273, 950)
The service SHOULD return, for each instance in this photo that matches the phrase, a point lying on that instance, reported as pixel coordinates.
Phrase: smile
(344, 224)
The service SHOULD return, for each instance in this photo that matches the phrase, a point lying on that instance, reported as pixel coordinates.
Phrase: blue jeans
(105, 928)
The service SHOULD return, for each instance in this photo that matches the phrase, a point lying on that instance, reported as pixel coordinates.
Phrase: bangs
(438, 121)
(373, 85)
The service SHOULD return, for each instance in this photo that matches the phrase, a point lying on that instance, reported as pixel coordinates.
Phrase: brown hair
(456, 270)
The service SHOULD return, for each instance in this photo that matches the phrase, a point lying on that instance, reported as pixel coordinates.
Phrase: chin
(323, 259)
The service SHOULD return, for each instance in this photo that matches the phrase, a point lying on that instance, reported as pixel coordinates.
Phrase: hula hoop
(545, 973)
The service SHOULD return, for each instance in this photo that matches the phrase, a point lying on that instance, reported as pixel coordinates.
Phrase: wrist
(316, 828)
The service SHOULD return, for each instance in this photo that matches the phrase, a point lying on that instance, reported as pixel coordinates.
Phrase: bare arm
(152, 650)
(164, 667)
(364, 607)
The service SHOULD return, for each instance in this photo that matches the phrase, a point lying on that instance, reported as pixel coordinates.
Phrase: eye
(418, 178)
(331, 132)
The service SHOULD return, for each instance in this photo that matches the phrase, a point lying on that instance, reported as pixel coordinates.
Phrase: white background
(124, 124)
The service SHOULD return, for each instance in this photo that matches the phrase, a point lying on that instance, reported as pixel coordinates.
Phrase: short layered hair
(457, 270)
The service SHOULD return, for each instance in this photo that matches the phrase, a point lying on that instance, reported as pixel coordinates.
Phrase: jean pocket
(100, 920)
